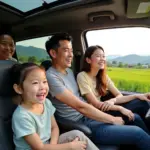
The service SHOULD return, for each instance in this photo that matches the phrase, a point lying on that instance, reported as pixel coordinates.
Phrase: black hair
(2, 33)
(19, 73)
(46, 64)
(53, 42)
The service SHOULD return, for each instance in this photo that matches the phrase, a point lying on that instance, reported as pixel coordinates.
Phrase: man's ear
(88, 60)
(17, 89)
(52, 52)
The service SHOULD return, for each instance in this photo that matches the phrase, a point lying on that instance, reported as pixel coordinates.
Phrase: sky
(121, 41)
(26, 5)
(37, 42)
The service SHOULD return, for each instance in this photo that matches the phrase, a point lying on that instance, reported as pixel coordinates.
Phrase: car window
(128, 56)
(32, 50)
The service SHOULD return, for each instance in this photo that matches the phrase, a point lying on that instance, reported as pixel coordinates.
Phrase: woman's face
(98, 60)
(7, 47)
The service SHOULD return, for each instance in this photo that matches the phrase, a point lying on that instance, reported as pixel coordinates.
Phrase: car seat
(6, 106)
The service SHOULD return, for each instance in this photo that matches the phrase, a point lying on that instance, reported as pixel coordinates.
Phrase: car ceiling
(76, 15)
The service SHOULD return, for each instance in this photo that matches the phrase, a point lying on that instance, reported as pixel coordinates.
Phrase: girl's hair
(19, 73)
(101, 75)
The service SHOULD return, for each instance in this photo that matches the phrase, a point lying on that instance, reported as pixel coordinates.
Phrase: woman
(94, 83)
(7, 47)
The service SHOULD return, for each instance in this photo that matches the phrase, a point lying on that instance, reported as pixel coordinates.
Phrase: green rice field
(130, 79)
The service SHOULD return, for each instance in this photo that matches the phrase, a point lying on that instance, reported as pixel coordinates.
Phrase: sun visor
(138, 8)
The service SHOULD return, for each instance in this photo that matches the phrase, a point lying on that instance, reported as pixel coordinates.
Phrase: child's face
(35, 86)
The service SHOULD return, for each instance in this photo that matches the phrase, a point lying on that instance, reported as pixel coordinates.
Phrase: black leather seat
(46, 64)
(6, 106)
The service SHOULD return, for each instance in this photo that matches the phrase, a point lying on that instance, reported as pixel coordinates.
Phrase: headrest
(5, 84)
(46, 64)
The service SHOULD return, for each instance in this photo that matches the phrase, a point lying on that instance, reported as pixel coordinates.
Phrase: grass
(130, 79)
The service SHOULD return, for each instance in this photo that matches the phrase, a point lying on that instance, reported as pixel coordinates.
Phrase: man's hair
(53, 42)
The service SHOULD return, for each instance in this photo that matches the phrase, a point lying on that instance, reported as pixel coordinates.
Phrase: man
(106, 129)
(7, 47)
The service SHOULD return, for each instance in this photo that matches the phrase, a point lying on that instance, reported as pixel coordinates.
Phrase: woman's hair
(101, 75)
(19, 72)
(2, 33)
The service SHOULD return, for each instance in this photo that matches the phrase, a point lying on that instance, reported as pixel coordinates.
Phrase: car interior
(75, 17)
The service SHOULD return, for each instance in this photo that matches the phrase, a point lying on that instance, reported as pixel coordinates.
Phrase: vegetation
(126, 75)
(130, 79)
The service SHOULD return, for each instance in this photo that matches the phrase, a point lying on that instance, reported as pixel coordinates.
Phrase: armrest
(67, 125)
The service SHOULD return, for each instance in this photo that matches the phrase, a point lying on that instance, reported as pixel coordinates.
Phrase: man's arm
(86, 109)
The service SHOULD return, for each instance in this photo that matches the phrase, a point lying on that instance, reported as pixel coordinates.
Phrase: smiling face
(64, 54)
(7, 47)
(35, 87)
(97, 59)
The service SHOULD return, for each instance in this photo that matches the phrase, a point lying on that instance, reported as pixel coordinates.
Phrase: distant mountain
(39, 53)
(132, 59)
(110, 57)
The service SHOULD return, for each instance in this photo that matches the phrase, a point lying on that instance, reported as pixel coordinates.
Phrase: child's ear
(17, 89)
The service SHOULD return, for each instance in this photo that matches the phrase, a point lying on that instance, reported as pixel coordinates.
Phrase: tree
(32, 59)
(109, 64)
(22, 59)
(41, 60)
(48, 57)
(114, 62)
(120, 64)
(139, 65)
(126, 65)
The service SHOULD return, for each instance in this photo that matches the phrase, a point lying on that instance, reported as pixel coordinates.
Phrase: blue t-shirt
(25, 123)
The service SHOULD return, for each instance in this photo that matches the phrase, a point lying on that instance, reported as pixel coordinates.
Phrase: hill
(39, 53)
(132, 59)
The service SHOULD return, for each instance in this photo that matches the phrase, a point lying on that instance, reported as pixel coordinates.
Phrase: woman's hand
(106, 105)
(127, 113)
(118, 121)
(76, 144)
(111, 101)
(145, 96)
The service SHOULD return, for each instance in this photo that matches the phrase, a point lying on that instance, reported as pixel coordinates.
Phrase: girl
(33, 122)
(94, 82)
